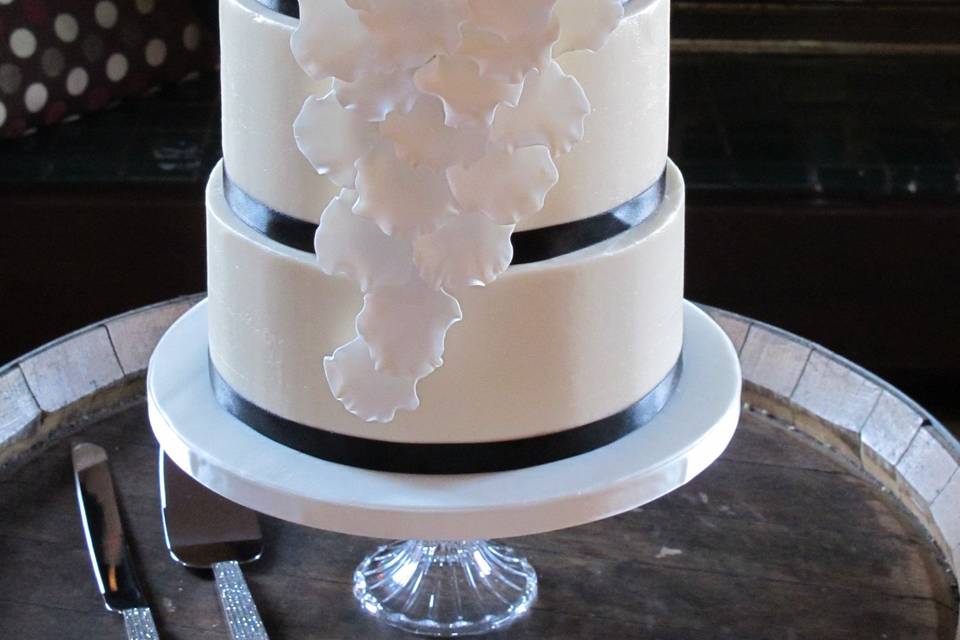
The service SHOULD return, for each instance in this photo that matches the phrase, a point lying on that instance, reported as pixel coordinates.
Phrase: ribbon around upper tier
(291, 8)
(531, 245)
(431, 458)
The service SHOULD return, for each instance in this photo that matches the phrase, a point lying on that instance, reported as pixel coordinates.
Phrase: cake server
(204, 530)
(109, 554)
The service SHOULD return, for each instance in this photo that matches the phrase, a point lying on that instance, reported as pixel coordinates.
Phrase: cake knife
(109, 554)
(205, 530)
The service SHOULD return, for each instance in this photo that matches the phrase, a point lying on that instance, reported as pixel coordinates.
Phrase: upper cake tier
(623, 151)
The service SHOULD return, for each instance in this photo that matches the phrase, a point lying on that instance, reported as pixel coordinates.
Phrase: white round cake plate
(235, 461)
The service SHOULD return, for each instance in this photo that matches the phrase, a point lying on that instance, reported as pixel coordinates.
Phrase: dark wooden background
(820, 142)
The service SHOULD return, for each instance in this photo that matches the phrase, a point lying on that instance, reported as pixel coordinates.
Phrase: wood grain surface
(779, 539)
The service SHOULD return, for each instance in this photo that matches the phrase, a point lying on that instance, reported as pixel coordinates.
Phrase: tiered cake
(329, 187)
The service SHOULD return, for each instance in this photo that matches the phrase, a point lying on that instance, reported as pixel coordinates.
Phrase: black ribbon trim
(445, 458)
(289, 8)
(276, 225)
(532, 245)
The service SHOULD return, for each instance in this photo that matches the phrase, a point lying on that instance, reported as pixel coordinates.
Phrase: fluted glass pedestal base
(445, 588)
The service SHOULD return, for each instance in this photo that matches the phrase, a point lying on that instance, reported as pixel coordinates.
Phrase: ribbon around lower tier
(445, 458)
(531, 245)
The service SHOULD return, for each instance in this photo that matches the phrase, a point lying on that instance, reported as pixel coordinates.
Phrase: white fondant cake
(623, 151)
(573, 333)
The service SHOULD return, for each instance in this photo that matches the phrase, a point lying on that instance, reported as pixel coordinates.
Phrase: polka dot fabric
(65, 57)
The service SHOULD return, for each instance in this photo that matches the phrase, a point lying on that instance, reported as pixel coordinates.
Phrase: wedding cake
(445, 236)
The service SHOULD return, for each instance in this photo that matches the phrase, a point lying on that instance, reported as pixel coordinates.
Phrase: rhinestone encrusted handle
(138, 623)
(239, 609)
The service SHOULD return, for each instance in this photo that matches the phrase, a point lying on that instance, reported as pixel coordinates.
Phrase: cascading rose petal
(355, 247)
(421, 137)
(410, 32)
(504, 185)
(469, 250)
(402, 199)
(586, 24)
(469, 98)
(333, 139)
(510, 18)
(374, 396)
(331, 41)
(551, 112)
(442, 128)
(374, 95)
(509, 60)
(405, 327)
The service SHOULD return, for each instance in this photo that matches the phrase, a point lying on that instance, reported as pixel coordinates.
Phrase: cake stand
(444, 578)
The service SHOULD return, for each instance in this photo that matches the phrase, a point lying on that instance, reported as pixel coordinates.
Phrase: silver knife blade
(201, 527)
(109, 553)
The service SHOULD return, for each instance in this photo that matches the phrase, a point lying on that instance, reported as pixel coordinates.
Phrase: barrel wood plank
(834, 513)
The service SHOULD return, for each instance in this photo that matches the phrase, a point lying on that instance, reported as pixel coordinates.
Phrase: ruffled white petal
(330, 41)
(421, 137)
(511, 59)
(355, 247)
(469, 250)
(586, 24)
(442, 128)
(469, 98)
(551, 112)
(509, 18)
(506, 186)
(374, 396)
(410, 32)
(402, 199)
(405, 327)
(374, 95)
(332, 138)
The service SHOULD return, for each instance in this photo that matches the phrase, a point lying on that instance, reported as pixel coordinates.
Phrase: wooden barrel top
(835, 513)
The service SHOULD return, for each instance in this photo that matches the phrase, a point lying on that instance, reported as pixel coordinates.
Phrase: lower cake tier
(548, 347)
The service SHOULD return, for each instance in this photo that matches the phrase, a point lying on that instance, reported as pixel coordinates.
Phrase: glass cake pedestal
(443, 578)
(445, 588)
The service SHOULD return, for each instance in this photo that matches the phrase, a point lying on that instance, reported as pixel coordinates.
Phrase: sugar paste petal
(509, 18)
(400, 198)
(511, 59)
(468, 250)
(506, 186)
(551, 112)
(355, 247)
(410, 32)
(586, 24)
(332, 138)
(421, 136)
(373, 95)
(442, 129)
(330, 40)
(405, 327)
(469, 98)
(374, 396)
